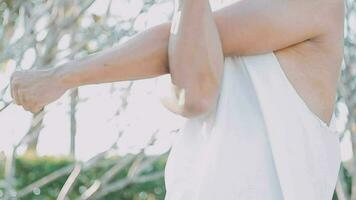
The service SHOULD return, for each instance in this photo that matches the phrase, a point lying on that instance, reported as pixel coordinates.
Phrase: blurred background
(108, 141)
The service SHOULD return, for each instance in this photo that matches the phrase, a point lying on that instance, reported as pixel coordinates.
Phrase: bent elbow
(198, 109)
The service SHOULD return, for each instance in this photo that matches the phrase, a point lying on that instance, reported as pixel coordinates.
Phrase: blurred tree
(41, 34)
(46, 33)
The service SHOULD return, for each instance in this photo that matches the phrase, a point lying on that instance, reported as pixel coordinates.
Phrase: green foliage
(2, 165)
(31, 168)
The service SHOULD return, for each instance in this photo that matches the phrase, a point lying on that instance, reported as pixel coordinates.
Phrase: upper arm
(257, 26)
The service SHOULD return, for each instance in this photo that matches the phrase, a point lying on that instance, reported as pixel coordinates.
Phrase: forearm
(146, 55)
(195, 57)
(143, 56)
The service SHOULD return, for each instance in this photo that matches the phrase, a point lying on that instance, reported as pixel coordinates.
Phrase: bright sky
(97, 128)
(97, 125)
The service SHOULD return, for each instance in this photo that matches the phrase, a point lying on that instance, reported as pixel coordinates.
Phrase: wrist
(63, 76)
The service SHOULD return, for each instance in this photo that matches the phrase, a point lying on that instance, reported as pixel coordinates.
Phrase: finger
(20, 97)
(12, 90)
(25, 102)
(28, 108)
(13, 76)
(12, 87)
(15, 93)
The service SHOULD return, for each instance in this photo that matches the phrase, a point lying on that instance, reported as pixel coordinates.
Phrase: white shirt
(261, 142)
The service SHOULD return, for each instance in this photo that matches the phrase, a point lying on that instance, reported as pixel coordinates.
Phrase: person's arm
(143, 56)
(195, 59)
(245, 27)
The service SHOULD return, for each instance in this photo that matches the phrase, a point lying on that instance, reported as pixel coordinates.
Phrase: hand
(34, 89)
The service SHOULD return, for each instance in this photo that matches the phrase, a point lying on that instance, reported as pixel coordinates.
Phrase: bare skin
(194, 48)
(307, 37)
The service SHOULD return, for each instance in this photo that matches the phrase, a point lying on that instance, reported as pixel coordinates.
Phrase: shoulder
(332, 15)
(326, 15)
